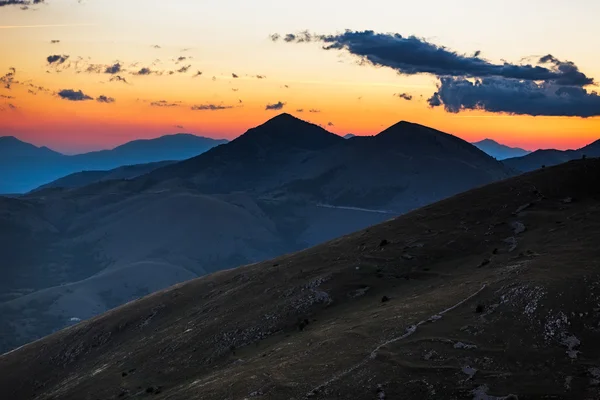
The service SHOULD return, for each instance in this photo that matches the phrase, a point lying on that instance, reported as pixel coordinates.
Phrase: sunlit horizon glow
(232, 37)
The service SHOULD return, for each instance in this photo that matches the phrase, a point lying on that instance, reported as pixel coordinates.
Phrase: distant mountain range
(546, 158)
(24, 167)
(499, 151)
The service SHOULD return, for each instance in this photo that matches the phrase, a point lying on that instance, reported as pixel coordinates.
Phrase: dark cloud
(235, 89)
(164, 103)
(260, 77)
(514, 96)
(184, 69)
(8, 79)
(314, 110)
(275, 106)
(156, 46)
(57, 59)
(113, 69)
(404, 96)
(118, 78)
(144, 71)
(234, 76)
(3, 96)
(24, 4)
(179, 127)
(199, 73)
(210, 107)
(300, 110)
(180, 59)
(73, 95)
(54, 41)
(412, 55)
(330, 124)
(105, 99)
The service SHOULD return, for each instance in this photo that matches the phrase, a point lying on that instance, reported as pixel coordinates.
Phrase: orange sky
(234, 38)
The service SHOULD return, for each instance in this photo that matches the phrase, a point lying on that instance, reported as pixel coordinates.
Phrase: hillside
(25, 167)
(84, 178)
(550, 157)
(281, 187)
(499, 151)
(489, 294)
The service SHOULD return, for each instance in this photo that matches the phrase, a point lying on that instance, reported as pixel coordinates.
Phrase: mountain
(278, 188)
(24, 167)
(478, 296)
(499, 151)
(84, 178)
(550, 157)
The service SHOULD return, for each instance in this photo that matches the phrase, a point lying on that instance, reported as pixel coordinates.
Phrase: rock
(518, 227)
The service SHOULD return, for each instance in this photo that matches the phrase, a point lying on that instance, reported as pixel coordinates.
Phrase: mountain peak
(287, 131)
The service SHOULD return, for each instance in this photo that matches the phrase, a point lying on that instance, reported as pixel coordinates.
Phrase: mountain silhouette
(499, 151)
(24, 167)
(550, 157)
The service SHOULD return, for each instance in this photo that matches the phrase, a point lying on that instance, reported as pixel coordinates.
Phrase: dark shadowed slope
(550, 157)
(404, 167)
(24, 167)
(84, 178)
(499, 151)
(489, 293)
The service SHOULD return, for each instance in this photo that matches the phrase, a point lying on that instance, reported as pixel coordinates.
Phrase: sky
(91, 74)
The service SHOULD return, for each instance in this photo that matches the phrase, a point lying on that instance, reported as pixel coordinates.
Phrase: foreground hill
(550, 157)
(491, 294)
(24, 167)
(499, 151)
(281, 187)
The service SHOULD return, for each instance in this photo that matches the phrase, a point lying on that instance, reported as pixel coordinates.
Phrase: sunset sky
(135, 63)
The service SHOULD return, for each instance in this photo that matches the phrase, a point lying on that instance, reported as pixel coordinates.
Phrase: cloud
(210, 107)
(275, 106)
(260, 77)
(113, 69)
(54, 41)
(412, 55)
(58, 59)
(24, 4)
(118, 78)
(105, 99)
(73, 95)
(144, 71)
(8, 79)
(3, 96)
(330, 124)
(517, 97)
(179, 127)
(164, 103)
(314, 110)
(184, 69)
(155, 46)
(404, 96)
(234, 76)
(300, 110)
(180, 59)
(198, 73)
